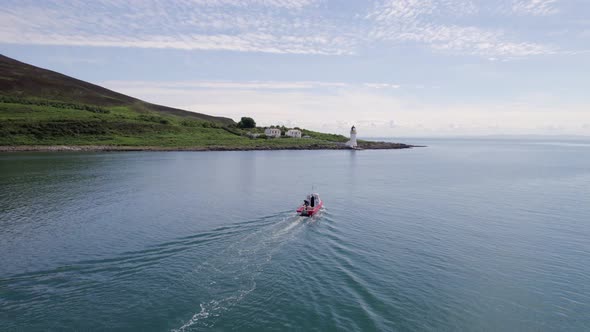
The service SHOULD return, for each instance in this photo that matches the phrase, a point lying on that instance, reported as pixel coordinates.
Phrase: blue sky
(392, 67)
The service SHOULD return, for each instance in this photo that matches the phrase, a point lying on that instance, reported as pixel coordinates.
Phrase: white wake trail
(229, 276)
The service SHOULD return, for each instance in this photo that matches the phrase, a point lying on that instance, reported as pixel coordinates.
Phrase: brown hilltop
(19, 79)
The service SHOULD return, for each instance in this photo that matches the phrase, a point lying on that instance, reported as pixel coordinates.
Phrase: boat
(311, 205)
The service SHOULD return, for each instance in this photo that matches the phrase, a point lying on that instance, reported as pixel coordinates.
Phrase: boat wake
(223, 280)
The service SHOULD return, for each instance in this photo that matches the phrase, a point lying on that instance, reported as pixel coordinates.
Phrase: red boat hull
(310, 210)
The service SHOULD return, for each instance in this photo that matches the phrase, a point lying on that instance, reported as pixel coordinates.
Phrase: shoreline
(116, 148)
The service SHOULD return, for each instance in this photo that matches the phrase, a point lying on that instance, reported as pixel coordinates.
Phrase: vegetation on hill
(247, 123)
(37, 122)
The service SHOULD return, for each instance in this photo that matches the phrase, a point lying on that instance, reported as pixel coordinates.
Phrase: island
(42, 110)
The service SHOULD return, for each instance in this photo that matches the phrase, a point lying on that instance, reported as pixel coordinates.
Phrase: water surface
(462, 235)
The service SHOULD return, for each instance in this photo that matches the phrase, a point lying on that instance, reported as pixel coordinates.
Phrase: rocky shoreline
(113, 148)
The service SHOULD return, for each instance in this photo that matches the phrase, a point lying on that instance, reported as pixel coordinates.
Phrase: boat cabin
(313, 199)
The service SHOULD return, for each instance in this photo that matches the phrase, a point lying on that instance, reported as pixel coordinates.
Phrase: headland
(41, 110)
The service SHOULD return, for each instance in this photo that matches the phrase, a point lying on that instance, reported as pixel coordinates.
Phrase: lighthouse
(352, 142)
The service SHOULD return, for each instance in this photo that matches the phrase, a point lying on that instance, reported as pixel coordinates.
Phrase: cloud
(291, 4)
(403, 21)
(242, 26)
(316, 27)
(402, 9)
(247, 85)
(535, 7)
(266, 43)
(141, 86)
(464, 40)
(382, 85)
(412, 10)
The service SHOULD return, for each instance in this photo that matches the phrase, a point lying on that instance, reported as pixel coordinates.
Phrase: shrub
(233, 131)
(190, 123)
(247, 122)
(154, 119)
(37, 102)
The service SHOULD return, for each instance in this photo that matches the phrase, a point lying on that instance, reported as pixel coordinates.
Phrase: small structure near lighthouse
(352, 142)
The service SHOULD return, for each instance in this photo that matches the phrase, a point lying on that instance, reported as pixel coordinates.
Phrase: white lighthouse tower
(352, 142)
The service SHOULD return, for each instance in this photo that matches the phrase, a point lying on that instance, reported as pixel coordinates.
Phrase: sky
(390, 67)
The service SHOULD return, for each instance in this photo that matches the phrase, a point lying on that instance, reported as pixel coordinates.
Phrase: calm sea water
(462, 235)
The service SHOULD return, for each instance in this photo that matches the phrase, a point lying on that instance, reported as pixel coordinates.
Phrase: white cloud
(189, 24)
(274, 26)
(412, 10)
(475, 41)
(535, 7)
(176, 86)
(382, 85)
(247, 85)
(415, 21)
(291, 4)
(464, 40)
(267, 43)
(402, 10)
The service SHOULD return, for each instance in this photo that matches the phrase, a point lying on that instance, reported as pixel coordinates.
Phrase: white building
(272, 132)
(352, 142)
(293, 133)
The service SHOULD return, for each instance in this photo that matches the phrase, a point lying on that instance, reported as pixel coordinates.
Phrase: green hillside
(42, 107)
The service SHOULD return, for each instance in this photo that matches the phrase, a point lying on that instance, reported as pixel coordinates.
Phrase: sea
(465, 234)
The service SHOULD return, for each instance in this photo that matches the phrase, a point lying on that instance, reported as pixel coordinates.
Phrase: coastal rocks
(370, 145)
(365, 145)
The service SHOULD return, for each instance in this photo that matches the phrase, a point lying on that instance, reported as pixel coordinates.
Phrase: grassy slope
(26, 124)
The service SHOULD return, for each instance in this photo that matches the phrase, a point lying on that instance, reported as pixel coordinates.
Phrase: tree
(247, 122)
